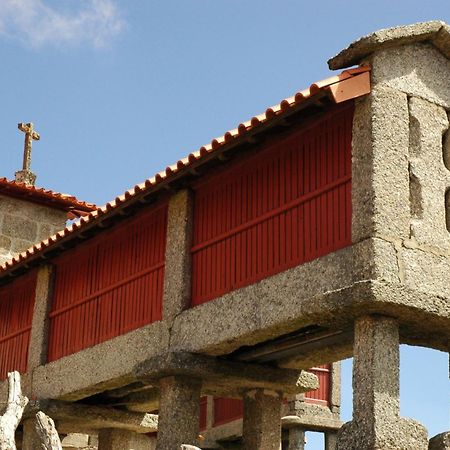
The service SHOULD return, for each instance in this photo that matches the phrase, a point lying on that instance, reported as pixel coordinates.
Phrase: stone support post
(330, 440)
(30, 438)
(37, 352)
(297, 438)
(177, 278)
(335, 394)
(179, 412)
(376, 394)
(114, 439)
(262, 420)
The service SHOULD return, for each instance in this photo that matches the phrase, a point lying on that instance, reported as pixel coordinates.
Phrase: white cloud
(37, 23)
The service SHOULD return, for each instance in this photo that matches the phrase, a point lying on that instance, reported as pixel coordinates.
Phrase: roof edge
(437, 32)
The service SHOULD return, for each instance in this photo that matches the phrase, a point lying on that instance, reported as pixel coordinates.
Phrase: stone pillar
(297, 439)
(179, 412)
(335, 394)
(262, 420)
(330, 440)
(440, 442)
(37, 352)
(114, 439)
(30, 438)
(376, 394)
(177, 278)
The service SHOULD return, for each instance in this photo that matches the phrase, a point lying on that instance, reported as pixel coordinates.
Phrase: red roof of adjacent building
(74, 207)
(347, 85)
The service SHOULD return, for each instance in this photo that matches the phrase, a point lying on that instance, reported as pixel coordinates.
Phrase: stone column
(330, 440)
(262, 420)
(179, 412)
(335, 394)
(376, 394)
(177, 278)
(114, 439)
(297, 439)
(37, 352)
(30, 438)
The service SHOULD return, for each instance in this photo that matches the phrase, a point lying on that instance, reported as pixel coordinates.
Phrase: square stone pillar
(179, 412)
(114, 439)
(177, 275)
(376, 392)
(297, 439)
(262, 420)
(30, 438)
(330, 440)
(37, 352)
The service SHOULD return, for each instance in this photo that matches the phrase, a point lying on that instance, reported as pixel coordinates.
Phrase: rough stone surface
(177, 275)
(428, 123)
(226, 378)
(23, 224)
(30, 438)
(96, 368)
(75, 440)
(440, 442)
(262, 420)
(380, 161)
(37, 352)
(111, 439)
(179, 412)
(436, 32)
(297, 439)
(376, 392)
(330, 441)
(417, 70)
(335, 395)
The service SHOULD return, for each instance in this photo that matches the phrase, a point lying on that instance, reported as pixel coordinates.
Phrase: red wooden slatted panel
(227, 410)
(285, 205)
(203, 412)
(16, 315)
(321, 396)
(109, 285)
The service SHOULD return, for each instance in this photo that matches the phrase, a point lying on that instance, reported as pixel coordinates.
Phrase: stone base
(440, 442)
(400, 434)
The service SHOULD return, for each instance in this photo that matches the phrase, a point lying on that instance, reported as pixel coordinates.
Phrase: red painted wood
(285, 205)
(227, 410)
(203, 412)
(109, 285)
(16, 315)
(321, 396)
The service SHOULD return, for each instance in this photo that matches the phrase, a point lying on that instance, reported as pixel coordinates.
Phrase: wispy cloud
(37, 23)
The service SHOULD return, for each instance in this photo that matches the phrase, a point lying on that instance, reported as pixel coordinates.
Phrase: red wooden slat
(321, 396)
(16, 315)
(110, 285)
(293, 205)
(227, 410)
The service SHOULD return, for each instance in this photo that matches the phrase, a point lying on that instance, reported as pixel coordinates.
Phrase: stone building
(316, 231)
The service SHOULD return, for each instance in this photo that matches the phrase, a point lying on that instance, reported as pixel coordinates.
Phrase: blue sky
(120, 89)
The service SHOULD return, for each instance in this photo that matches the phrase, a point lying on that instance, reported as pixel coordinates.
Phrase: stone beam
(95, 417)
(231, 375)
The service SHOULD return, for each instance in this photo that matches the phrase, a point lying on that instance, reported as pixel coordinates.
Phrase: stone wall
(23, 224)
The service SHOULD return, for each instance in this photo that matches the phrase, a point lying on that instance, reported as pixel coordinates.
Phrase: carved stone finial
(26, 175)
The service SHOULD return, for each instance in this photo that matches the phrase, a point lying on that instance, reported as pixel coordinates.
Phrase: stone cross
(25, 175)
(30, 136)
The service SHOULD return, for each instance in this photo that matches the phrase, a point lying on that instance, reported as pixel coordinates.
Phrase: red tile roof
(347, 85)
(75, 208)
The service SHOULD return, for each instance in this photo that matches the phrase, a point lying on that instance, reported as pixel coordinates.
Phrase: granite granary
(210, 305)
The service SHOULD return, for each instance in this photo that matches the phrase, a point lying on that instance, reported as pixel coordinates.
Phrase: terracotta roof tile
(73, 206)
(330, 86)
